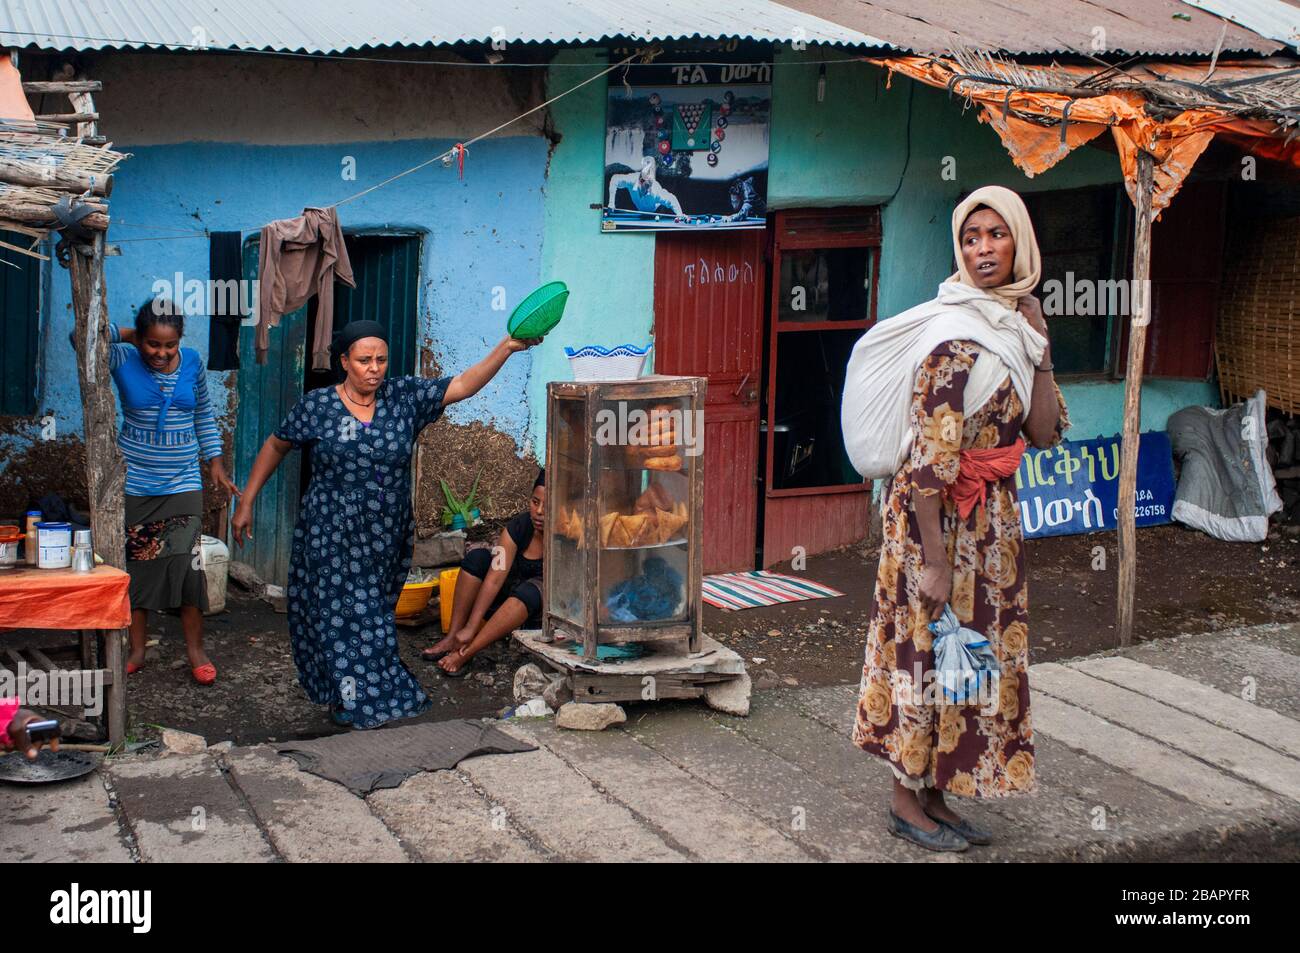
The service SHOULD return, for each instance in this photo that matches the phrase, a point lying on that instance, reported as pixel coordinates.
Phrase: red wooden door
(709, 323)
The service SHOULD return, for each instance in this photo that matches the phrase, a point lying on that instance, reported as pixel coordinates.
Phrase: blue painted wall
(480, 233)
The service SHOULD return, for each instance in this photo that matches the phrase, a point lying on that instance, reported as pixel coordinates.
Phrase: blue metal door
(266, 392)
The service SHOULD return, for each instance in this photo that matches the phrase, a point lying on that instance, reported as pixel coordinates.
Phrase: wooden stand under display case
(625, 481)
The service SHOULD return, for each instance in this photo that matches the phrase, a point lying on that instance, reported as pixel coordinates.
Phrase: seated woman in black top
(498, 590)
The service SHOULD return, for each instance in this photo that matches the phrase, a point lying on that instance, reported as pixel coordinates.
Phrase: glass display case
(625, 480)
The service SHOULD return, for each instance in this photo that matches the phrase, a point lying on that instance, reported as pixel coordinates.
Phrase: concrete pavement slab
(818, 818)
(1227, 711)
(835, 705)
(58, 823)
(690, 815)
(1223, 665)
(1188, 733)
(1087, 810)
(439, 816)
(309, 818)
(181, 809)
(1142, 757)
(561, 810)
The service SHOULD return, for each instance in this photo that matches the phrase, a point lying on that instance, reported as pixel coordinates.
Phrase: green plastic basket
(541, 311)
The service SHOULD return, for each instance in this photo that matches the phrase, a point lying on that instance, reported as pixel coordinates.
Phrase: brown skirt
(163, 534)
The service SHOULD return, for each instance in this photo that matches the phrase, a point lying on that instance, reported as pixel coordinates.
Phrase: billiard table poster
(686, 147)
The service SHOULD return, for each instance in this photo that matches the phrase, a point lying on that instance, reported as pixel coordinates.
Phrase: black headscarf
(350, 334)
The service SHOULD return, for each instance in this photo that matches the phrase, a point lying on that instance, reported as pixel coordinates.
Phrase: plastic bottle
(33, 517)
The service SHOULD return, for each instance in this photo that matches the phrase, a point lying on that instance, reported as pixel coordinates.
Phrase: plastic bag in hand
(963, 659)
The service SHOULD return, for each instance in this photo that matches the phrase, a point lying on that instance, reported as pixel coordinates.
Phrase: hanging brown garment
(301, 257)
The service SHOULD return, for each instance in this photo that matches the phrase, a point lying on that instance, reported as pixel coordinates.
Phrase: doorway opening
(823, 282)
(386, 267)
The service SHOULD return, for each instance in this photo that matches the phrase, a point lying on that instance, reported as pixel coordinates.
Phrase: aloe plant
(456, 506)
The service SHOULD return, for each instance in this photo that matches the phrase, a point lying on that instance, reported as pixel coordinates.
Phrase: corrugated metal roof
(336, 26)
(1153, 27)
(1275, 19)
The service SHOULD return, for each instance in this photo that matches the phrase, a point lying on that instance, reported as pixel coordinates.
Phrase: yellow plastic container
(415, 596)
(446, 593)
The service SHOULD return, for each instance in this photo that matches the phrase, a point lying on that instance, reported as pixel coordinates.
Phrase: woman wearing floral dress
(960, 548)
(353, 541)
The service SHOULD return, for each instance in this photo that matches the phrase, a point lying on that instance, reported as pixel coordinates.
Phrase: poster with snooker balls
(686, 146)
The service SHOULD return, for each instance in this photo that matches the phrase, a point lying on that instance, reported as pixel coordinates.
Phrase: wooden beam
(64, 86)
(105, 471)
(38, 213)
(39, 174)
(1137, 340)
(68, 119)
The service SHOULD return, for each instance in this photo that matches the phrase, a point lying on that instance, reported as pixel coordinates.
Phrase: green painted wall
(610, 277)
(854, 147)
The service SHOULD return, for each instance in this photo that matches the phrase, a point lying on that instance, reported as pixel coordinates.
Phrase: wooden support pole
(1137, 340)
(105, 471)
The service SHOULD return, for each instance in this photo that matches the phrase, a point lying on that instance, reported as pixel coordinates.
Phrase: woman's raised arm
(471, 380)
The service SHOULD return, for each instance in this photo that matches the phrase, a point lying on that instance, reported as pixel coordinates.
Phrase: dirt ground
(1187, 582)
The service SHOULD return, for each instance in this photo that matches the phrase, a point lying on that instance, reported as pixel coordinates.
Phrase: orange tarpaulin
(1175, 142)
(63, 599)
(13, 101)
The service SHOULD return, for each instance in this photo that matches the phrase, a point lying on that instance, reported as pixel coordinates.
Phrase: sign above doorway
(686, 147)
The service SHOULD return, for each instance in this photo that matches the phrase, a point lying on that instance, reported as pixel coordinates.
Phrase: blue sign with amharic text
(1074, 486)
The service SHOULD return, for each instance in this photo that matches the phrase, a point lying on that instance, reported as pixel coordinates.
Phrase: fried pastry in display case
(625, 471)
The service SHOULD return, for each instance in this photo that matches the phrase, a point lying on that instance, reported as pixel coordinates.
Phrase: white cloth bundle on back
(876, 410)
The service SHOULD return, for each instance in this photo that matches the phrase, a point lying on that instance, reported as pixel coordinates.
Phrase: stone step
(1153, 762)
(1188, 733)
(689, 814)
(559, 808)
(1223, 665)
(1227, 711)
(70, 821)
(443, 819)
(309, 818)
(182, 809)
(817, 817)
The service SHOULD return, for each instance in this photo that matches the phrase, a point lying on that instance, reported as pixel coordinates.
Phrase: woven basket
(1257, 343)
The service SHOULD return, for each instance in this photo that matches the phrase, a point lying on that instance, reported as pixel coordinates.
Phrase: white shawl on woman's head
(876, 411)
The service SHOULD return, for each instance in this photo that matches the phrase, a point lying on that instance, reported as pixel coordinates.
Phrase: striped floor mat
(749, 590)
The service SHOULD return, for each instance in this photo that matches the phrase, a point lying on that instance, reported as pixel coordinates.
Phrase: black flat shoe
(944, 839)
(966, 830)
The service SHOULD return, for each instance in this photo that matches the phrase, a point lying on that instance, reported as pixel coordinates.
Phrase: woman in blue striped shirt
(167, 427)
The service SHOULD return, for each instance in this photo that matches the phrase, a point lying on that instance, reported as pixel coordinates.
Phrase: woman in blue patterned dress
(353, 542)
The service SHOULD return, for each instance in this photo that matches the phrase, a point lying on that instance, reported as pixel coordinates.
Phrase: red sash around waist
(977, 468)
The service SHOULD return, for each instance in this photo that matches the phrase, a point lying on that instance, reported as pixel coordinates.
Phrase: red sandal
(132, 667)
(205, 674)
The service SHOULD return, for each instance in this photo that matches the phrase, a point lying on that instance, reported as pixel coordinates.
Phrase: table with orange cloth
(90, 603)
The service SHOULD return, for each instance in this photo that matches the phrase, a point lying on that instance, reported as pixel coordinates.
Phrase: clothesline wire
(427, 162)
(462, 146)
